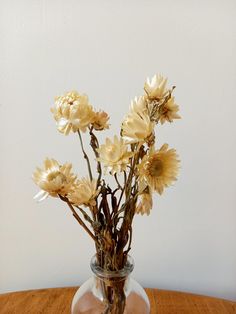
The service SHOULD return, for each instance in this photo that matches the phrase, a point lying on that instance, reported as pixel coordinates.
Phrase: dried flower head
(101, 121)
(156, 87)
(114, 155)
(145, 202)
(53, 179)
(84, 193)
(159, 168)
(73, 112)
(139, 105)
(137, 126)
(168, 112)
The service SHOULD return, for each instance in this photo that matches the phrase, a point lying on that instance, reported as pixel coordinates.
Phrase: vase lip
(100, 272)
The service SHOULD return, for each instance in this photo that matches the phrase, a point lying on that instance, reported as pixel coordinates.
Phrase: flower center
(155, 168)
(56, 175)
(165, 110)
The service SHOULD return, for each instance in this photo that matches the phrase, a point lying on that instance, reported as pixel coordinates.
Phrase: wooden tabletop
(58, 301)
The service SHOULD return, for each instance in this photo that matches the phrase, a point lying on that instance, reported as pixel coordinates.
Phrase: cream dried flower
(137, 126)
(155, 87)
(159, 169)
(114, 155)
(73, 112)
(84, 192)
(101, 121)
(139, 105)
(53, 179)
(169, 111)
(145, 203)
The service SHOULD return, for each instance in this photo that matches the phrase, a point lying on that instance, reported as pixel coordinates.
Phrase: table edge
(191, 294)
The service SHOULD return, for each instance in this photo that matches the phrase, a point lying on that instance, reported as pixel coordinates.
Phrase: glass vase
(111, 292)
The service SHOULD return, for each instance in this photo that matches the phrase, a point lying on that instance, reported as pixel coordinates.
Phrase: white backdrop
(107, 49)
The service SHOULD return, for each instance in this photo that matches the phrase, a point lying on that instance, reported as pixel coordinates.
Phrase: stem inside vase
(112, 285)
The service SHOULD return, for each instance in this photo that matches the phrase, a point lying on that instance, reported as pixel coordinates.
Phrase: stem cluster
(109, 221)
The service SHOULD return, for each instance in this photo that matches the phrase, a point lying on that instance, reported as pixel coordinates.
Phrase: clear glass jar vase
(111, 292)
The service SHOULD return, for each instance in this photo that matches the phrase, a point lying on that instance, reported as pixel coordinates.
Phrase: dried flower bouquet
(138, 168)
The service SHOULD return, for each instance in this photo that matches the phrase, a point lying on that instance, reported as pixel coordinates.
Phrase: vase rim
(100, 272)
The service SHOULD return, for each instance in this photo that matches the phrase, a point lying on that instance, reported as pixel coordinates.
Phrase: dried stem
(128, 186)
(118, 183)
(85, 156)
(130, 239)
(123, 189)
(86, 216)
(77, 217)
(95, 145)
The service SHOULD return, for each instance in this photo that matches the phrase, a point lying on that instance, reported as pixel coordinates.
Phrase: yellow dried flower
(169, 111)
(53, 179)
(73, 112)
(155, 87)
(100, 121)
(145, 203)
(114, 155)
(84, 192)
(159, 169)
(137, 126)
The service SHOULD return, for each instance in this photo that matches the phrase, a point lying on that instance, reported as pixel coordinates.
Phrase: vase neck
(108, 274)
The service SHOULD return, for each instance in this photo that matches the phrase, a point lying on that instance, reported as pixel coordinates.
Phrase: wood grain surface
(58, 301)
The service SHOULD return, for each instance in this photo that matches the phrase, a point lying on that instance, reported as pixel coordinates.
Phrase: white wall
(107, 49)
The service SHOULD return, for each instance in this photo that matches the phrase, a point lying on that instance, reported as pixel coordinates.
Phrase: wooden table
(57, 301)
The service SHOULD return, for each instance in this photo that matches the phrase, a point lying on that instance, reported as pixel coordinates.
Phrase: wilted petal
(41, 195)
